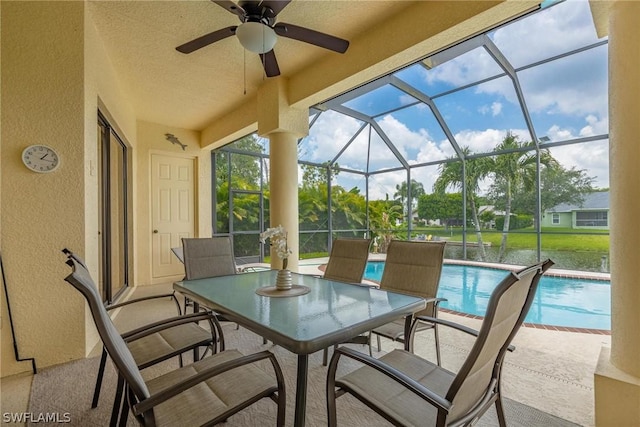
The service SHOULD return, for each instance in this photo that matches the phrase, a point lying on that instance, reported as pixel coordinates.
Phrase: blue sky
(566, 99)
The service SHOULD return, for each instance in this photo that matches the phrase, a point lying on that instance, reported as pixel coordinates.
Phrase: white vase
(284, 280)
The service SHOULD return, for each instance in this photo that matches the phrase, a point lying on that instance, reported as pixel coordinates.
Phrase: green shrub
(517, 222)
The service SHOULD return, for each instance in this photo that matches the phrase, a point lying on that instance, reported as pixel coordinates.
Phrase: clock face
(40, 158)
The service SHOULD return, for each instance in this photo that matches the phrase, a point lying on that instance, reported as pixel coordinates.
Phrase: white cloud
(593, 157)
(467, 68)
(569, 87)
(595, 126)
(385, 184)
(328, 135)
(550, 32)
(556, 133)
(496, 108)
(407, 99)
(417, 146)
(484, 141)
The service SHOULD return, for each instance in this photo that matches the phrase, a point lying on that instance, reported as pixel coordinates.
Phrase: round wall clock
(40, 158)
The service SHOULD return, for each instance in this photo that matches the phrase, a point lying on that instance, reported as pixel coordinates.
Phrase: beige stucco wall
(58, 69)
(102, 91)
(151, 139)
(42, 212)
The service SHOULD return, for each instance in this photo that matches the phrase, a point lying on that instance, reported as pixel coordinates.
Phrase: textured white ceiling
(190, 91)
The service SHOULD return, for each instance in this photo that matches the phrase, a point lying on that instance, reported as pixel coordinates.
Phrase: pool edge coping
(584, 275)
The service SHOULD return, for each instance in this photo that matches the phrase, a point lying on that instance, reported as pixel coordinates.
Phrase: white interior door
(173, 207)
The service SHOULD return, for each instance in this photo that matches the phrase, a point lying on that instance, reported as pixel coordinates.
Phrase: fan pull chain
(244, 69)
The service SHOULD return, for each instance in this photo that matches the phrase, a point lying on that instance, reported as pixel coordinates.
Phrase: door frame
(196, 201)
(106, 120)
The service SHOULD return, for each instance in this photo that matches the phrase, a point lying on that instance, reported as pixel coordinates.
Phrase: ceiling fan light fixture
(256, 37)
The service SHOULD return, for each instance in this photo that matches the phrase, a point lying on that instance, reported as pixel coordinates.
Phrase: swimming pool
(559, 301)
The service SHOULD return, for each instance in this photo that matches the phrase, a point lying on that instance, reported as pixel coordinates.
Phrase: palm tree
(402, 194)
(348, 208)
(382, 218)
(515, 170)
(451, 177)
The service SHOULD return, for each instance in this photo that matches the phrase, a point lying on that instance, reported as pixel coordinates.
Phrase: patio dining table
(328, 313)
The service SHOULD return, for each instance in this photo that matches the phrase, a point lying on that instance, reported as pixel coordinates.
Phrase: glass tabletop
(330, 313)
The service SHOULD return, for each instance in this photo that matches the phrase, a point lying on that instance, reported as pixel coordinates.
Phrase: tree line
(505, 179)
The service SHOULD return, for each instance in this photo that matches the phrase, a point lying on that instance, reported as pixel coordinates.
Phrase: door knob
(155, 231)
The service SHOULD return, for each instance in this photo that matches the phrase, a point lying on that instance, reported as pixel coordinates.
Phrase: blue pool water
(559, 301)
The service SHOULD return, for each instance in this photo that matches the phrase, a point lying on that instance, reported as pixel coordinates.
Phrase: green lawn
(552, 238)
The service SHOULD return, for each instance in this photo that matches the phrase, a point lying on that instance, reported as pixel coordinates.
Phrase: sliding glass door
(114, 233)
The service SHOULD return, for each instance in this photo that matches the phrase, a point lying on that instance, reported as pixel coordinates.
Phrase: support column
(617, 376)
(283, 126)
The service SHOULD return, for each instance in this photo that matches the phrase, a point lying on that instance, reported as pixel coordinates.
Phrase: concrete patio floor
(550, 370)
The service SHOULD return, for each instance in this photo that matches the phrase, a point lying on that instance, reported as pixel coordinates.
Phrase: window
(592, 219)
(555, 219)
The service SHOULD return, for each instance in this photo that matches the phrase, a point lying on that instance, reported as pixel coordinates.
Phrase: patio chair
(208, 391)
(414, 268)
(158, 341)
(347, 262)
(407, 390)
(209, 257)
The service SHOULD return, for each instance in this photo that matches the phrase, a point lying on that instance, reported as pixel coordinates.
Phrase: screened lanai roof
(542, 77)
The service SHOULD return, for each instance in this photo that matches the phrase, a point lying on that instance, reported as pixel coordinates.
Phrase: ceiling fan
(258, 29)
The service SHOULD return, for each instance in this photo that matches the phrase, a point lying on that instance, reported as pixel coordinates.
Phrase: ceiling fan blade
(270, 63)
(206, 40)
(275, 5)
(231, 7)
(312, 37)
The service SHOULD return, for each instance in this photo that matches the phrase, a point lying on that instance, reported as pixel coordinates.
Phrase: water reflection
(559, 301)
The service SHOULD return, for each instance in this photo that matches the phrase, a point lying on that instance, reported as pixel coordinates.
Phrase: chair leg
(206, 349)
(435, 332)
(124, 412)
(332, 419)
(500, 411)
(117, 402)
(220, 337)
(187, 303)
(96, 391)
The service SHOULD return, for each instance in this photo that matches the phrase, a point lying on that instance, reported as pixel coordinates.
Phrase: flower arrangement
(278, 239)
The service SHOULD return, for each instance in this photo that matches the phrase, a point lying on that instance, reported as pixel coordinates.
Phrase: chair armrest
(141, 299)
(450, 324)
(363, 285)
(253, 266)
(439, 300)
(391, 372)
(204, 375)
(161, 325)
(435, 300)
